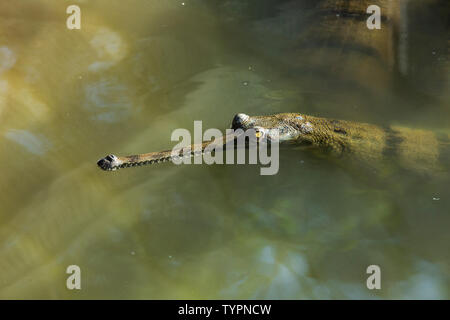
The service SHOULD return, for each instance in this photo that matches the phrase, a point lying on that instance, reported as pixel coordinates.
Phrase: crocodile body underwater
(419, 150)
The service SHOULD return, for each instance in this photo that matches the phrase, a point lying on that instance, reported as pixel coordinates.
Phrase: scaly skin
(418, 150)
(112, 162)
(414, 149)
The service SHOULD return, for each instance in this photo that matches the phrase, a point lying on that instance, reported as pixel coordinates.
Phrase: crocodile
(420, 150)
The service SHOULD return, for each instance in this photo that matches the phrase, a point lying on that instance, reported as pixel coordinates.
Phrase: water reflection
(30, 142)
(137, 71)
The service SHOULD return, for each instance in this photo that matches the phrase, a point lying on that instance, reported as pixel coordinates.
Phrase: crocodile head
(109, 163)
(275, 127)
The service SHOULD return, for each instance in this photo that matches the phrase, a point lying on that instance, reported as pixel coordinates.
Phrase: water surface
(138, 70)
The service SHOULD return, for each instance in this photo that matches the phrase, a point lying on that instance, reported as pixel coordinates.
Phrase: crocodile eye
(241, 120)
(258, 134)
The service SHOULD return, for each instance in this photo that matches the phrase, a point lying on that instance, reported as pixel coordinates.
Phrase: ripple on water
(33, 143)
(3, 91)
(7, 59)
(427, 282)
(108, 100)
(108, 45)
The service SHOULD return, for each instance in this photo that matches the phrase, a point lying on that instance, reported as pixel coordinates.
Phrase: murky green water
(138, 70)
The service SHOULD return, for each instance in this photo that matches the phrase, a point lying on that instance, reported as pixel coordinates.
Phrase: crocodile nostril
(102, 163)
